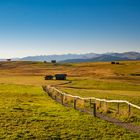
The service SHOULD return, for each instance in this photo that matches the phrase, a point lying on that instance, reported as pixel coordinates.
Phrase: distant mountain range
(108, 57)
(89, 57)
(60, 57)
(101, 58)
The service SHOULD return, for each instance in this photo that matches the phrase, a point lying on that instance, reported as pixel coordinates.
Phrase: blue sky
(34, 27)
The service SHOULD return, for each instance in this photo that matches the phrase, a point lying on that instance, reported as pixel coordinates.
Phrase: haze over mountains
(62, 57)
(109, 57)
(89, 57)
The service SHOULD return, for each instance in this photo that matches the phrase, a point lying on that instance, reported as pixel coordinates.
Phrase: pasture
(26, 112)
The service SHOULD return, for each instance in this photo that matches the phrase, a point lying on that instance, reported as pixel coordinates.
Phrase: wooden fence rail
(50, 90)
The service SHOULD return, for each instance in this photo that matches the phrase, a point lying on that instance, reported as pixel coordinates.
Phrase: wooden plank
(129, 110)
(93, 108)
(62, 96)
(118, 108)
(75, 101)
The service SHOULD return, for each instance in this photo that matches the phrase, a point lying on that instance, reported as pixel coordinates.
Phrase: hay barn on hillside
(113, 62)
(48, 77)
(53, 61)
(60, 76)
(8, 60)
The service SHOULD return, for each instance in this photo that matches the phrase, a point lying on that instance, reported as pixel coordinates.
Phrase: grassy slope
(104, 89)
(26, 112)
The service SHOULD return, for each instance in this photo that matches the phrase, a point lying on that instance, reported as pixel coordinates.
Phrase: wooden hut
(48, 77)
(8, 60)
(113, 62)
(117, 63)
(53, 61)
(60, 76)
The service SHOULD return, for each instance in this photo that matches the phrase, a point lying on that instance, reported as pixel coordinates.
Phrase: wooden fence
(89, 104)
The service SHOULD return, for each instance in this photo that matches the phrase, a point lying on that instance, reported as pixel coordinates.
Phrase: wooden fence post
(129, 110)
(90, 101)
(55, 97)
(100, 104)
(106, 107)
(62, 98)
(118, 108)
(49, 93)
(85, 105)
(93, 107)
(75, 100)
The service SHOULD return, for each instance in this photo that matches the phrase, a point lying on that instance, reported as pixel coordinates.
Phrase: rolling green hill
(26, 111)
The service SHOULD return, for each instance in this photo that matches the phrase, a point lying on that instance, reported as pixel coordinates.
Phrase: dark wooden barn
(113, 63)
(117, 62)
(60, 76)
(9, 60)
(53, 61)
(48, 77)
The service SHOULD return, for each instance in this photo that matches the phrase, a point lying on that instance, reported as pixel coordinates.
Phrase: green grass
(92, 83)
(111, 90)
(26, 112)
(28, 80)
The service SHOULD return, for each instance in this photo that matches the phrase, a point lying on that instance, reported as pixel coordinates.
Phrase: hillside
(88, 69)
(27, 112)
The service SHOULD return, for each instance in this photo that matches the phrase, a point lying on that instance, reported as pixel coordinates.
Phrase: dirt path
(126, 125)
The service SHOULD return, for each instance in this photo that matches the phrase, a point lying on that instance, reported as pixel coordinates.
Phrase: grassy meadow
(26, 111)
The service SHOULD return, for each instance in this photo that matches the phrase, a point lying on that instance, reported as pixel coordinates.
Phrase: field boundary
(94, 98)
(60, 96)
